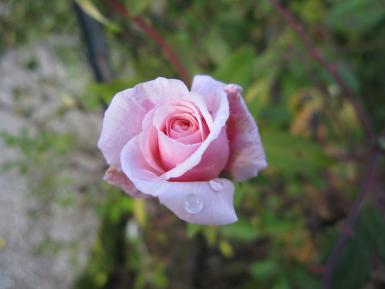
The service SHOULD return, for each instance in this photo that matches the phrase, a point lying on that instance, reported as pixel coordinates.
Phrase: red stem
(154, 35)
(347, 229)
(372, 161)
(316, 55)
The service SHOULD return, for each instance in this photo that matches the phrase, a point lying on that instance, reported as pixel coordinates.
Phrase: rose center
(181, 125)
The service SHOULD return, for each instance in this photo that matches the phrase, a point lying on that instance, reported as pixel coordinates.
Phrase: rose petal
(169, 114)
(142, 148)
(192, 104)
(217, 201)
(122, 121)
(247, 157)
(213, 161)
(123, 118)
(164, 154)
(196, 137)
(222, 114)
(116, 177)
(149, 143)
(173, 152)
(161, 89)
(177, 132)
(210, 89)
(217, 206)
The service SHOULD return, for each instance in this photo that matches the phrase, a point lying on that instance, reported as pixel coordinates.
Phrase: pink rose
(162, 140)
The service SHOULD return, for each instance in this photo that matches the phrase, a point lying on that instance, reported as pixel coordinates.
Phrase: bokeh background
(62, 227)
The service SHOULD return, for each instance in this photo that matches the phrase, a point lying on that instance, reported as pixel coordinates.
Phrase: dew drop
(216, 185)
(193, 204)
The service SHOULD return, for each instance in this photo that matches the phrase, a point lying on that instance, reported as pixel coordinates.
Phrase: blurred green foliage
(290, 215)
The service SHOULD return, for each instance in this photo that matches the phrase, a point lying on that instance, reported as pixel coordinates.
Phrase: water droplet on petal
(216, 185)
(193, 204)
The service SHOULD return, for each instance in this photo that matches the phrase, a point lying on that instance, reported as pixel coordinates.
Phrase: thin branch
(154, 35)
(316, 55)
(348, 93)
(347, 229)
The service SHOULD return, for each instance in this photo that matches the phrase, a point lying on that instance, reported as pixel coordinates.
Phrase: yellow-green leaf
(90, 9)
(226, 249)
(139, 211)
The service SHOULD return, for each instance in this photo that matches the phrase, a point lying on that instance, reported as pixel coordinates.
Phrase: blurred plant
(319, 208)
(296, 157)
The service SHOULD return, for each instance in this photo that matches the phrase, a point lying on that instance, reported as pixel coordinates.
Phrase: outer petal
(217, 207)
(217, 204)
(247, 157)
(123, 118)
(209, 88)
(122, 121)
(116, 177)
(161, 89)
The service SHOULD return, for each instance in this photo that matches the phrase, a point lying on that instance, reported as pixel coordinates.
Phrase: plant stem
(373, 152)
(347, 229)
(154, 35)
(330, 68)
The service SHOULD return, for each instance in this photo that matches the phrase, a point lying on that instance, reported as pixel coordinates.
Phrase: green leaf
(282, 283)
(139, 211)
(302, 279)
(257, 95)
(354, 266)
(210, 233)
(238, 68)
(264, 269)
(290, 154)
(137, 7)
(241, 189)
(216, 46)
(274, 225)
(278, 116)
(347, 74)
(242, 230)
(89, 8)
(355, 15)
(192, 230)
(96, 94)
(349, 77)
(226, 249)
(371, 226)
(352, 271)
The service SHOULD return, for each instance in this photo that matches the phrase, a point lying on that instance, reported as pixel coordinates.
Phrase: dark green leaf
(289, 154)
(355, 15)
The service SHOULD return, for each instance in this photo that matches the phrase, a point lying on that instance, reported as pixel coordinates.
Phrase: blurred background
(62, 227)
